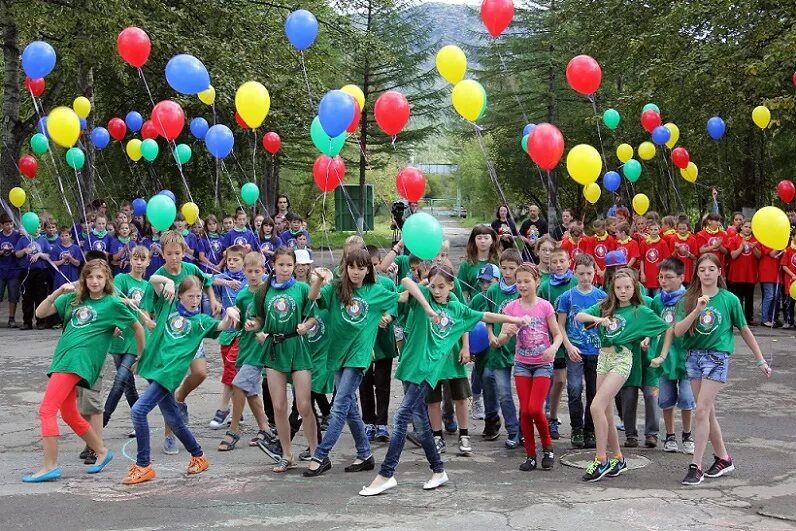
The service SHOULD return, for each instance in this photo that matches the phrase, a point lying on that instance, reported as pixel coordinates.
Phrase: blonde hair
(172, 237)
(446, 246)
(254, 260)
(81, 290)
(139, 251)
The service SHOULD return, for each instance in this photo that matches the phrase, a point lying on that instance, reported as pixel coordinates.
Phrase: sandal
(227, 446)
(283, 466)
(262, 436)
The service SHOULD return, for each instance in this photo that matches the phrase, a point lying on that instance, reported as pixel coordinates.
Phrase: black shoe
(719, 467)
(491, 429)
(12, 323)
(271, 449)
(84, 453)
(367, 464)
(694, 476)
(91, 458)
(412, 438)
(529, 464)
(325, 466)
(589, 440)
(548, 460)
(26, 326)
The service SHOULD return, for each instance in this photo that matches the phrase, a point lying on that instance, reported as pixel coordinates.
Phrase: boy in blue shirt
(9, 267)
(295, 227)
(33, 253)
(67, 257)
(240, 233)
(98, 239)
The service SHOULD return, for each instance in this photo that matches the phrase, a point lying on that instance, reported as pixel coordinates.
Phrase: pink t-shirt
(533, 339)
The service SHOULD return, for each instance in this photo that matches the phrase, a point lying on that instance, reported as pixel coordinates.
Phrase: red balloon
(794, 78)
(168, 118)
(28, 166)
(354, 125)
(328, 172)
(134, 46)
(497, 15)
(545, 146)
(411, 184)
(148, 130)
(241, 122)
(35, 86)
(271, 142)
(391, 112)
(584, 74)
(785, 190)
(117, 128)
(680, 157)
(650, 119)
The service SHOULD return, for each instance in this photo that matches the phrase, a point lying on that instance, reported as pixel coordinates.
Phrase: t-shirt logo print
(216, 246)
(317, 331)
(443, 328)
(136, 294)
(83, 316)
(283, 306)
(6, 246)
(668, 315)
(34, 247)
(615, 326)
(356, 311)
(178, 326)
(708, 320)
(600, 250)
(98, 245)
(240, 240)
(653, 255)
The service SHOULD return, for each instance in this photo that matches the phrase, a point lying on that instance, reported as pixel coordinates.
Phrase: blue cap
(615, 259)
(488, 272)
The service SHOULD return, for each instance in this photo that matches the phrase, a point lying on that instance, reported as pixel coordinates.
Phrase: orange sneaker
(198, 464)
(138, 474)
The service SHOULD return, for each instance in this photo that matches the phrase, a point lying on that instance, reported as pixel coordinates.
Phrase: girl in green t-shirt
(482, 248)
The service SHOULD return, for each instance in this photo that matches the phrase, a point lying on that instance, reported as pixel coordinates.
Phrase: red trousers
(532, 393)
(61, 395)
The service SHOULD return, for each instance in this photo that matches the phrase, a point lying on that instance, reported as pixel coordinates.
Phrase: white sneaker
(477, 411)
(670, 444)
(464, 445)
(373, 491)
(688, 446)
(437, 480)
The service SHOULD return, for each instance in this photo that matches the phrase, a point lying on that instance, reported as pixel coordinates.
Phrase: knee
(702, 413)
(200, 373)
(535, 411)
(138, 413)
(48, 411)
(304, 408)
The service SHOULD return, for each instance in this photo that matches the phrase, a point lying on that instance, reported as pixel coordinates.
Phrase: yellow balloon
(451, 63)
(646, 150)
(191, 212)
(63, 126)
(792, 290)
(761, 116)
(469, 98)
(82, 106)
(592, 192)
(252, 102)
(584, 164)
(624, 152)
(675, 135)
(690, 173)
(134, 150)
(641, 203)
(771, 227)
(17, 196)
(208, 96)
(357, 93)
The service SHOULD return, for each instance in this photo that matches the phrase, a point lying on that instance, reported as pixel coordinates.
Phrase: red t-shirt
(705, 238)
(585, 244)
(788, 260)
(630, 250)
(743, 268)
(680, 248)
(652, 254)
(602, 246)
(769, 266)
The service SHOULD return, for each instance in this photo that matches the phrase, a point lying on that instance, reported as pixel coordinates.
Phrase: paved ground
(486, 491)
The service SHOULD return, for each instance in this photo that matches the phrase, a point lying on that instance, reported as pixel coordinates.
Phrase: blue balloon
(661, 135)
(139, 206)
(528, 129)
(187, 75)
(301, 28)
(479, 339)
(38, 59)
(611, 181)
(42, 126)
(168, 194)
(716, 128)
(100, 137)
(335, 112)
(83, 124)
(219, 141)
(199, 128)
(134, 121)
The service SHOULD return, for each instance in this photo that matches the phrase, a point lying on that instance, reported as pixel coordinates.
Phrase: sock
(672, 435)
(601, 458)
(686, 435)
(438, 433)
(464, 432)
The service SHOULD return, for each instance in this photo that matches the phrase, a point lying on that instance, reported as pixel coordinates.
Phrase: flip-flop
(98, 467)
(52, 475)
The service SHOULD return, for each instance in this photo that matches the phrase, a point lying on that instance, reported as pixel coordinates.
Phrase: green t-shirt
(402, 261)
(250, 351)
(282, 311)
(141, 292)
(88, 332)
(673, 367)
(318, 340)
(468, 276)
(630, 324)
(552, 294)
(713, 330)
(479, 302)
(502, 357)
(186, 270)
(641, 374)
(429, 346)
(385, 347)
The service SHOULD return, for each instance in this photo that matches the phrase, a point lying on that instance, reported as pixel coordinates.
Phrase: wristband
(394, 251)
(760, 363)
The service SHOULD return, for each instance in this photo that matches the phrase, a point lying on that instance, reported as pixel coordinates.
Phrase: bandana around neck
(185, 312)
(508, 290)
(284, 285)
(671, 298)
(98, 234)
(558, 280)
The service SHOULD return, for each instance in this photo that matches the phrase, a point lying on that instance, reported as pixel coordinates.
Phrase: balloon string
(513, 85)
(243, 172)
(234, 188)
(593, 100)
(105, 164)
(146, 86)
(306, 78)
(325, 225)
(672, 180)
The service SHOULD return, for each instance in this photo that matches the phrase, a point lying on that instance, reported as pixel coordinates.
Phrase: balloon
(322, 141)
(149, 149)
(675, 135)
(646, 150)
(182, 153)
(584, 74)
(680, 157)
(690, 173)
(716, 128)
(17, 196)
(38, 59)
(301, 28)
(528, 129)
(524, 143)
(336, 111)
(357, 94)
(134, 46)
(252, 102)
(241, 122)
(271, 142)
(661, 135)
(641, 203)
(208, 96)
(422, 235)
(785, 189)
(28, 166)
(632, 170)
(161, 212)
(83, 124)
(624, 152)
(249, 193)
(650, 119)
(497, 15)
(611, 181)
(411, 184)
(792, 290)
(190, 212)
(199, 128)
(117, 128)
(42, 126)
(546, 145)
(354, 125)
(611, 119)
(139, 207)
(328, 173)
(468, 99)
(34, 86)
(133, 149)
(478, 338)
(186, 74)
(219, 141)
(148, 130)
(75, 158)
(761, 116)
(391, 112)
(794, 78)
(168, 118)
(771, 227)
(650, 106)
(169, 194)
(39, 143)
(592, 192)
(134, 121)
(483, 106)
(584, 165)
(30, 222)
(63, 126)
(451, 63)
(82, 106)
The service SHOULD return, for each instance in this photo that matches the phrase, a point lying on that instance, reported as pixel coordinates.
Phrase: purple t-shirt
(533, 339)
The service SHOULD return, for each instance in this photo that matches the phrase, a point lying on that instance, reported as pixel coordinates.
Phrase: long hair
(694, 291)
(343, 285)
(472, 250)
(609, 305)
(353, 242)
(81, 291)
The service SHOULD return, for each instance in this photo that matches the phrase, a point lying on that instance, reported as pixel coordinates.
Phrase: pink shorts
(229, 355)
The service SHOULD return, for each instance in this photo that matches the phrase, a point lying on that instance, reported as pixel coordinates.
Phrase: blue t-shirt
(71, 272)
(226, 294)
(271, 244)
(288, 237)
(39, 245)
(116, 246)
(93, 242)
(156, 260)
(213, 249)
(9, 265)
(240, 237)
(573, 301)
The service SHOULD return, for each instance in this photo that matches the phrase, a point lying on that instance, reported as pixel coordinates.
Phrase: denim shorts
(12, 283)
(249, 379)
(708, 365)
(200, 352)
(542, 370)
(675, 392)
(618, 361)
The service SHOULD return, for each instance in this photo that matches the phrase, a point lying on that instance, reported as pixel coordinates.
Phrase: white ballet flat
(374, 491)
(436, 481)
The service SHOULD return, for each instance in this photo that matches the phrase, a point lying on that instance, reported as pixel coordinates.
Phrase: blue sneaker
(370, 432)
(170, 445)
(451, 426)
(553, 423)
(382, 433)
(617, 467)
(513, 441)
(183, 412)
(271, 449)
(52, 475)
(596, 470)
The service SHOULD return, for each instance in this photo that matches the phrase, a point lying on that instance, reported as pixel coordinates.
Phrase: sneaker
(84, 454)
(12, 323)
(619, 424)
(491, 429)
(370, 432)
(305, 455)
(412, 438)
(596, 470)
(91, 458)
(131, 435)
(138, 474)
(529, 464)
(650, 441)
(670, 444)
(382, 433)
(197, 464)
(439, 442)
(513, 441)
(219, 419)
(589, 440)
(464, 445)
(183, 407)
(688, 445)
(548, 460)
(720, 467)
(451, 427)
(477, 411)
(767, 324)
(617, 467)
(170, 445)
(631, 442)
(553, 423)
(577, 438)
(271, 449)
(693, 477)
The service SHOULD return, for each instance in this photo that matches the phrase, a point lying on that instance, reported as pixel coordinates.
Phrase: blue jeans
(506, 398)
(475, 383)
(345, 409)
(676, 392)
(576, 371)
(123, 383)
(770, 306)
(157, 395)
(12, 283)
(412, 409)
(490, 393)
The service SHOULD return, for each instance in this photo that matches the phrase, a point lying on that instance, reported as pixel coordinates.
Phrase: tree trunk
(552, 187)
(85, 87)
(12, 140)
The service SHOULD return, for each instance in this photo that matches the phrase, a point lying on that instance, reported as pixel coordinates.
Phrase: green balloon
(39, 143)
(249, 193)
(75, 158)
(524, 143)
(611, 119)
(486, 102)
(149, 149)
(632, 170)
(325, 144)
(422, 235)
(182, 153)
(161, 212)
(651, 106)
(30, 221)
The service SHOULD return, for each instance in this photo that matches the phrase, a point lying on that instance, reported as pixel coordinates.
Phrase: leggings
(60, 395)
(532, 393)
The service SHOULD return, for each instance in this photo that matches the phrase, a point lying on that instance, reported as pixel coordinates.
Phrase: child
(737, 223)
(228, 224)
(303, 270)
(604, 243)
(9, 267)
(788, 262)
(289, 236)
(582, 346)
(489, 274)
(211, 247)
(627, 245)
(623, 320)
(684, 247)
(653, 251)
(119, 250)
(640, 229)
(191, 242)
(169, 352)
(301, 243)
(544, 249)
(90, 314)
(67, 257)
(576, 242)
(33, 251)
(258, 222)
(711, 239)
(269, 241)
(481, 249)
(668, 228)
(99, 239)
(706, 316)
(240, 234)
(770, 278)
(152, 242)
(742, 276)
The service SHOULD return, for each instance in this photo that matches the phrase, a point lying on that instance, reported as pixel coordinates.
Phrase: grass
(381, 236)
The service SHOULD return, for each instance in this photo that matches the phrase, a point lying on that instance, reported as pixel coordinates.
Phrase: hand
(464, 356)
(134, 367)
(150, 324)
(117, 332)
(645, 343)
(250, 325)
(168, 290)
(702, 302)
(385, 321)
(393, 269)
(765, 369)
(234, 284)
(261, 337)
(525, 320)
(34, 258)
(216, 308)
(400, 244)
(605, 321)
(509, 329)
(657, 362)
(302, 328)
(248, 248)
(574, 353)
(549, 354)
(433, 316)
(66, 288)
(493, 341)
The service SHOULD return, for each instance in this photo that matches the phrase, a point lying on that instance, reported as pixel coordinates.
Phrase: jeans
(123, 383)
(157, 395)
(412, 409)
(676, 392)
(345, 409)
(475, 383)
(490, 393)
(576, 372)
(770, 307)
(374, 392)
(651, 411)
(506, 398)
(708, 365)
(12, 283)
